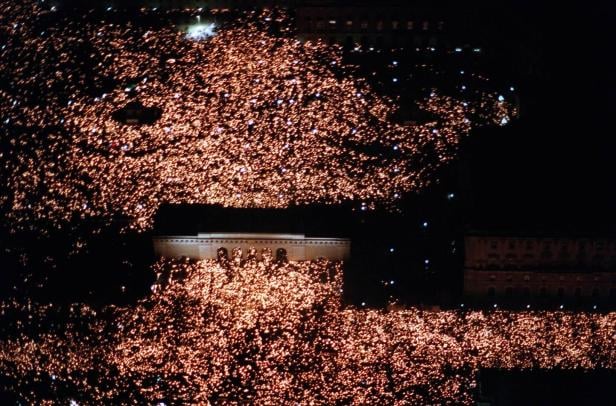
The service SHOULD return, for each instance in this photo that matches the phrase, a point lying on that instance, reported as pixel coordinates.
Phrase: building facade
(294, 247)
(501, 269)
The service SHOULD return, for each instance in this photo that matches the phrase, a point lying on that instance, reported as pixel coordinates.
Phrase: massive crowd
(248, 120)
(266, 332)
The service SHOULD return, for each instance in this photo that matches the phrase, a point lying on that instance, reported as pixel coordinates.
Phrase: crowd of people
(276, 333)
(247, 120)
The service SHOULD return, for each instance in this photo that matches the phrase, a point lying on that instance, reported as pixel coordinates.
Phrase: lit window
(395, 24)
(425, 25)
(409, 25)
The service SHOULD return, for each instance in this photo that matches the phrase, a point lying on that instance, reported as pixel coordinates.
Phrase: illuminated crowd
(268, 332)
(248, 120)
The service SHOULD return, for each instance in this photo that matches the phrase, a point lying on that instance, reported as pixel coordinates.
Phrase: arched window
(251, 254)
(266, 255)
(222, 255)
(281, 255)
(236, 254)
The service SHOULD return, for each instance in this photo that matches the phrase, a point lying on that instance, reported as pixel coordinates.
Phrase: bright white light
(201, 31)
(458, 49)
(504, 121)
(501, 98)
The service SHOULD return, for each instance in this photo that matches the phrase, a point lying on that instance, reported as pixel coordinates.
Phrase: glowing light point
(199, 32)
(501, 98)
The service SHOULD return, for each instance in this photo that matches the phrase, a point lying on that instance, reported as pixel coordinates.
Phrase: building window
(526, 277)
(349, 23)
(364, 25)
(395, 24)
(319, 24)
(425, 25)
(281, 255)
(409, 25)
(441, 25)
(379, 25)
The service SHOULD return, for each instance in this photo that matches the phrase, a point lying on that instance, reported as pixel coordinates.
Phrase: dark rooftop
(193, 219)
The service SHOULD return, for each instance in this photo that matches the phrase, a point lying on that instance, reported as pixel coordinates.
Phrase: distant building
(202, 232)
(383, 24)
(294, 247)
(556, 270)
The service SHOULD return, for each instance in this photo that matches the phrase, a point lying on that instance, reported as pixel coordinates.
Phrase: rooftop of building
(198, 219)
